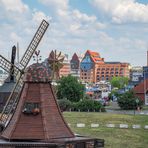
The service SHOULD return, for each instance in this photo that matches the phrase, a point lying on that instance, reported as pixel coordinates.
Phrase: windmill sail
(6, 65)
(33, 44)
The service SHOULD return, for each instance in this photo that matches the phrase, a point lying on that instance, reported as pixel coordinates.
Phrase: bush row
(82, 105)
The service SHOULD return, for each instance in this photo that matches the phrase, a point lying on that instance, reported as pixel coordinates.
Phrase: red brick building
(95, 69)
(141, 90)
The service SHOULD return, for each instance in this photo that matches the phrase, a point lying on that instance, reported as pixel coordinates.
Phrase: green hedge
(83, 105)
(64, 104)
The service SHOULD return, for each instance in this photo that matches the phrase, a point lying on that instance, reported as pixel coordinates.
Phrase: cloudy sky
(117, 29)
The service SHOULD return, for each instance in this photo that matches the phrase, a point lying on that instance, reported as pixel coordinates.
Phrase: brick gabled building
(93, 68)
(141, 90)
(75, 66)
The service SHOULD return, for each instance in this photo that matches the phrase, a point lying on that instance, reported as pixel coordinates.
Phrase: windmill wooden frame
(18, 73)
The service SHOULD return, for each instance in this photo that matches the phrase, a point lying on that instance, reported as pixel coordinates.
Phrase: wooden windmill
(56, 62)
(13, 99)
(33, 114)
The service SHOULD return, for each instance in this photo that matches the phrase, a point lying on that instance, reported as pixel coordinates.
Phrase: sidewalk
(114, 108)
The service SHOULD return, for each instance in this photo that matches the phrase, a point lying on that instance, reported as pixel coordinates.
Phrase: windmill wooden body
(33, 114)
(37, 116)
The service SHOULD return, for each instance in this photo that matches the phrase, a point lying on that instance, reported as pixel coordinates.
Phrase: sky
(117, 29)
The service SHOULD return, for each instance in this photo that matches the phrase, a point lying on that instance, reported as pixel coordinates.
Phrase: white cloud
(14, 5)
(58, 4)
(38, 16)
(72, 31)
(15, 37)
(83, 17)
(18, 24)
(71, 20)
(122, 11)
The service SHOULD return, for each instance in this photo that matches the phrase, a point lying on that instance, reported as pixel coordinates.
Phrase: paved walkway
(114, 108)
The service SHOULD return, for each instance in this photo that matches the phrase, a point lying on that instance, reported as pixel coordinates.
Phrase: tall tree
(69, 88)
(119, 82)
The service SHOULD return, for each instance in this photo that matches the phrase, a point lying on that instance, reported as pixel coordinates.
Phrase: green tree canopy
(129, 100)
(69, 88)
(119, 82)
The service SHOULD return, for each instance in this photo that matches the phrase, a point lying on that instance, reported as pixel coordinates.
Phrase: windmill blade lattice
(33, 44)
(6, 65)
(11, 102)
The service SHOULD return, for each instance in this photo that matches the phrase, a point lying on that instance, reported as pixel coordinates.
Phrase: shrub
(83, 105)
(128, 101)
(89, 105)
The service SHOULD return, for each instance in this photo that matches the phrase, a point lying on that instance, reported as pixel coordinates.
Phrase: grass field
(114, 137)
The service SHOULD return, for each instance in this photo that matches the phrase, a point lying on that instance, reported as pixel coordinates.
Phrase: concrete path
(114, 108)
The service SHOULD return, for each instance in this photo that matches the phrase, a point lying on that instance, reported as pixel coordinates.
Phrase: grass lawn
(114, 137)
(145, 107)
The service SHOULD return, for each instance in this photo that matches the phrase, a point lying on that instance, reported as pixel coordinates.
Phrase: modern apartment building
(136, 74)
(93, 68)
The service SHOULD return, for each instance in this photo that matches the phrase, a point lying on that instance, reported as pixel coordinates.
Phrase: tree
(69, 88)
(129, 100)
(119, 82)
